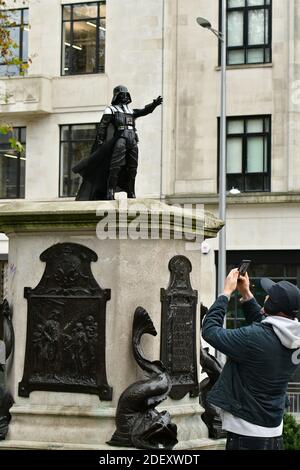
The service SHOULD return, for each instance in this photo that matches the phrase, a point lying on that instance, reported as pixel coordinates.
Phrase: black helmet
(120, 89)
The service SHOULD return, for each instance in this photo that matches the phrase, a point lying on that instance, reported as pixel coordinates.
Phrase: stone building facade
(156, 47)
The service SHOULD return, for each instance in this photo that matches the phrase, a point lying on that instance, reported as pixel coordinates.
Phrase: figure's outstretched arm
(149, 108)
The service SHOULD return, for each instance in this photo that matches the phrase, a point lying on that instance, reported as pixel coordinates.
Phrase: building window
(249, 31)
(277, 265)
(83, 38)
(75, 144)
(12, 165)
(249, 153)
(18, 30)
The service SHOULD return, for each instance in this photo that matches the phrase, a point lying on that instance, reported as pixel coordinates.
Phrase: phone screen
(244, 266)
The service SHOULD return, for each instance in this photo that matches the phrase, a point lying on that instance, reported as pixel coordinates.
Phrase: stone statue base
(134, 270)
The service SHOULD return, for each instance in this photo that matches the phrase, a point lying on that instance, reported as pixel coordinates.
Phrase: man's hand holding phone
(243, 268)
(231, 282)
(243, 286)
(238, 279)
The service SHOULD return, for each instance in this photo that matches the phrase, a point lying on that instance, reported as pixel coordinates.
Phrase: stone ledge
(197, 444)
(109, 412)
(68, 426)
(243, 198)
(267, 65)
(202, 444)
(29, 216)
(26, 95)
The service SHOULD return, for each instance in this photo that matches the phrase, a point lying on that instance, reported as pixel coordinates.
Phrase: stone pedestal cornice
(61, 216)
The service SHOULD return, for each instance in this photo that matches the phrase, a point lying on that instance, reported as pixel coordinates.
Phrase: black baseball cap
(284, 296)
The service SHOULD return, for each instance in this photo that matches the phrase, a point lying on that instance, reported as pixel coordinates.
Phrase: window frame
(246, 47)
(19, 155)
(21, 27)
(245, 136)
(286, 258)
(70, 152)
(72, 21)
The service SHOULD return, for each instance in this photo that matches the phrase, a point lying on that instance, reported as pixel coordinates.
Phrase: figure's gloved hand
(100, 142)
(158, 101)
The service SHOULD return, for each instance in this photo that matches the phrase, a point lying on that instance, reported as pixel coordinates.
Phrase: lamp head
(203, 22)
(234, 191)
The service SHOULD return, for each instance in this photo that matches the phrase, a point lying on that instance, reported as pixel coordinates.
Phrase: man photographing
(262, 358)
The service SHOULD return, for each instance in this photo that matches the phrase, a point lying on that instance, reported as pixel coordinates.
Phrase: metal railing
(294, 398)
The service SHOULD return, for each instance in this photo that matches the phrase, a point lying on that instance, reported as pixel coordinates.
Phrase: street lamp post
(222, 36)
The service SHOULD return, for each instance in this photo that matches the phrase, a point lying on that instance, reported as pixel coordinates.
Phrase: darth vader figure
(112, 165)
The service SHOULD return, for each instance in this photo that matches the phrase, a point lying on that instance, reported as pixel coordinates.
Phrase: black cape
(95, 169)
(95, 172)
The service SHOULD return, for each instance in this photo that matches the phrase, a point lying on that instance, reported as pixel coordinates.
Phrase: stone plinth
(135, 269)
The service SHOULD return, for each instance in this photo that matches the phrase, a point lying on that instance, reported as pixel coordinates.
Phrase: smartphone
(243, 268)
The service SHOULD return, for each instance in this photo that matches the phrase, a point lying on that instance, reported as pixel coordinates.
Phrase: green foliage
(9, 57)
(8, 53)
(15, 144)
(5, 128)
(291, 433)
